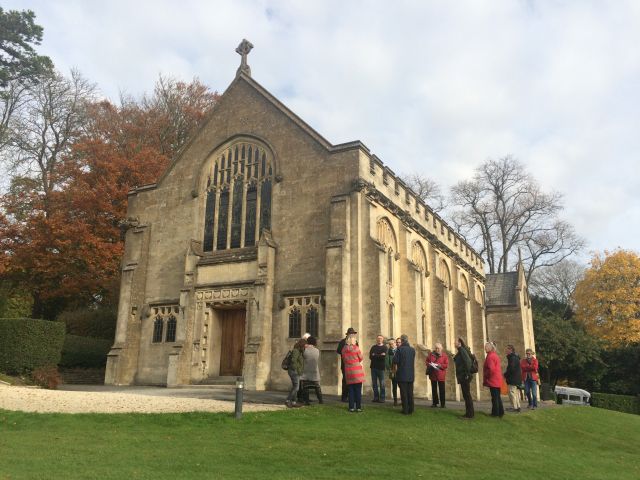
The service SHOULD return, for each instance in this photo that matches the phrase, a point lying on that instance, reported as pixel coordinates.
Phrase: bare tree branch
(426, 189)
(503, 209)
(41, 131)
(558, 281)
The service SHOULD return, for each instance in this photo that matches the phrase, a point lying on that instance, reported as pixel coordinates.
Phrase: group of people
(395, 359)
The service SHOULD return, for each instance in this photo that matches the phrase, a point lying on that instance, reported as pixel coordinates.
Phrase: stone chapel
(262, 230)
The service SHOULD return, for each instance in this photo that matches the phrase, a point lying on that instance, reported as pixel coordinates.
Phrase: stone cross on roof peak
(243, 50)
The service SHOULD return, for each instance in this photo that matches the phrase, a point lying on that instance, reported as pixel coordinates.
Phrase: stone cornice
(375, 195)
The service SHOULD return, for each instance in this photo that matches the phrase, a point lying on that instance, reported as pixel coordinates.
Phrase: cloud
(435, 87)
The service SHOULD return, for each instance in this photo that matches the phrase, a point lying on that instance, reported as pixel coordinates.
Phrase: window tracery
(444, 273)
(464, 286)
(164, 314)
(238, 203)
(307, 307)
(479, 295)
(419, 259)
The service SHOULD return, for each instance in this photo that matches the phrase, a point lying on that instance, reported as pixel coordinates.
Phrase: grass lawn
(579, 442)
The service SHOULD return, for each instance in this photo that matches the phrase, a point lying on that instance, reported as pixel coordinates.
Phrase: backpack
(286, 361)
(474, 364)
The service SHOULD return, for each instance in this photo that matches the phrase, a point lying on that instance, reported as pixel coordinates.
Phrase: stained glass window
(223, 216)
(242, 166)
(236, 214)
(250, 217)
(207, 244)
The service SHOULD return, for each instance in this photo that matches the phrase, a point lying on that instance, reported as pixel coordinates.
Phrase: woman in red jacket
(437, 363)
(493, 379)
(529, 367)
(353, 372)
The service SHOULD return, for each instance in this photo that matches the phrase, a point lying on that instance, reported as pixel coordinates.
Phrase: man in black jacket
(378, 355)
(404, 359)
(513, 376)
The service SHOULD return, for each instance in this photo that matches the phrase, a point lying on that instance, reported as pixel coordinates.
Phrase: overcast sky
(434, 87)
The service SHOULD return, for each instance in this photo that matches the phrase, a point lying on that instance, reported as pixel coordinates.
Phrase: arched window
(238, 201)
(419, 259)
(295, 323)
(171, 329)
(158, 326)
(479, 295)
(386, 235)
(464, 286)
(445, 275)
(391, 319)
(387, 238)
(312, 321)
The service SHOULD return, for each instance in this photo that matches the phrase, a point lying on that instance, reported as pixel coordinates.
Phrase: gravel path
(28, 399)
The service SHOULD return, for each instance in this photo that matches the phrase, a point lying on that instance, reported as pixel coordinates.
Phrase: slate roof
(500, 289)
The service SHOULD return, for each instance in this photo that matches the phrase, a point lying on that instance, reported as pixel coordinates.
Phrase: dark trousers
(355, 396)
(377, 379)
(406, 393)
(497, 409)
(394, 388)
(468, 400)
(345, 390)
(435, 386)
(306, 386)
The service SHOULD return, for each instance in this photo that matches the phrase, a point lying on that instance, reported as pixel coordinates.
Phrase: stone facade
(261, 230)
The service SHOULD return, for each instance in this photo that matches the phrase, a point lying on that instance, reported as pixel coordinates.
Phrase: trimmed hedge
(619, 403)
(27, 344)
(85, 352)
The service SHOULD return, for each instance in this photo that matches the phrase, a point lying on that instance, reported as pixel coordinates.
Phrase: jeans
(468, 400)
(497, 409)
(514, 396)
(355, 396)
(531, 391)
(295, 385)
(406, 392)
(377, 379)
(435, 386)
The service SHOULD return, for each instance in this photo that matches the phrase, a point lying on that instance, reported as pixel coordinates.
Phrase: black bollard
(239, 389)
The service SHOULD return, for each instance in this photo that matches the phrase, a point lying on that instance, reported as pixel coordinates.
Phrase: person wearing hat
(344, 392)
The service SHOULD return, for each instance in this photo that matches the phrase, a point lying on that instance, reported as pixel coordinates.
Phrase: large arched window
(238, 204)
(387, 238)
(464, 286)
(419, 259)
(444, 274)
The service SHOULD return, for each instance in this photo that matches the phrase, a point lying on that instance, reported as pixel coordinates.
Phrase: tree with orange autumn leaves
(64, 245)
(608, 298)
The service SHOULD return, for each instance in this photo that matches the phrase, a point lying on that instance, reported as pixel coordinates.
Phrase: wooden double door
(232, 326)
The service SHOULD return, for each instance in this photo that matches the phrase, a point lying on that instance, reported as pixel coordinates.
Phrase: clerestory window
(238, 202)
